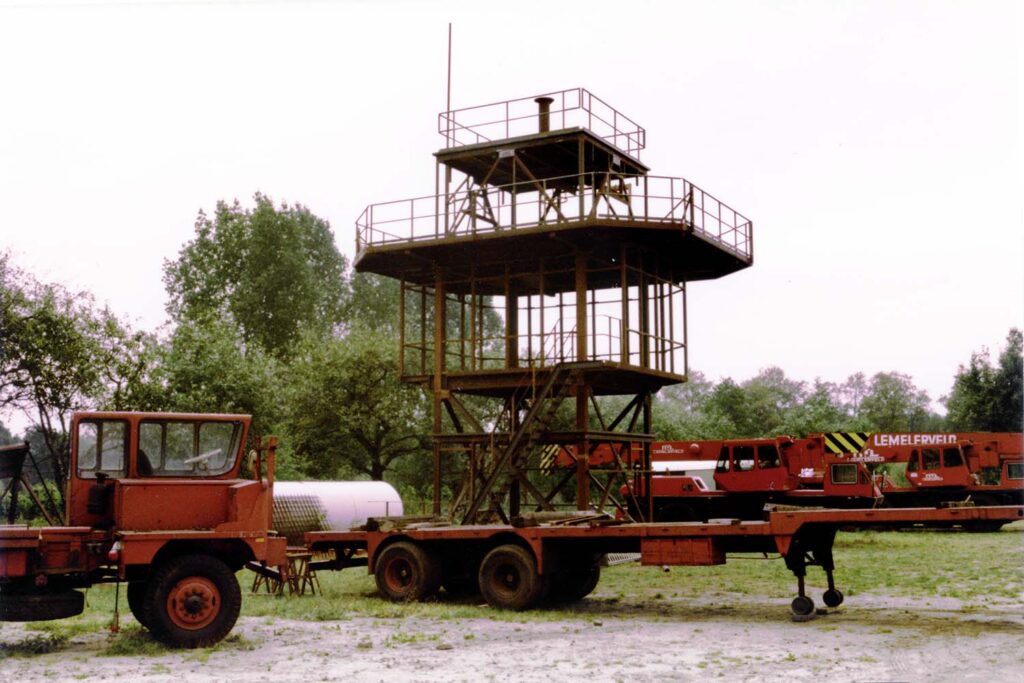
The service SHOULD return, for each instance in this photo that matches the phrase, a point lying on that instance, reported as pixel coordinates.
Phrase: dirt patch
(745, 638)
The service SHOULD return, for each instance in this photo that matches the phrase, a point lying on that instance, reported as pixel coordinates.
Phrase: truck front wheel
(191, 601)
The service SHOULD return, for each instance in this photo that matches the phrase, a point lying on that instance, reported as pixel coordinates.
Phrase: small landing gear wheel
(191, 601)
(405, 572)
(802, 606)
(833, 597)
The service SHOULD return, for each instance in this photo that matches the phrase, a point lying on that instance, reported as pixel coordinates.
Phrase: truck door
(751, 467)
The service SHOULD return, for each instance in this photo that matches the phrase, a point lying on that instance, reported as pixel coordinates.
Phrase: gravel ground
(871, 638)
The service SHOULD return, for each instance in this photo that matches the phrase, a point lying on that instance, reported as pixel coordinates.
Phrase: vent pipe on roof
(544, 113)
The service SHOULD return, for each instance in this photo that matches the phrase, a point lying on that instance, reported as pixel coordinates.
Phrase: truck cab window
(723, 460)
(743, 458)
(912, 464)
(768, 456)
(101, 448)
(930, 459)
(951, 457)
(189, 449)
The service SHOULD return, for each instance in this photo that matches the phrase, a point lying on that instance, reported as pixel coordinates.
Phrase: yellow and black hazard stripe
(549, 458)
(846, 442)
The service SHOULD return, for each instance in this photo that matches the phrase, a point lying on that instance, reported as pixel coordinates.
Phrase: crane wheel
(191, 601)
(406, 572)
(833, 597)
(573, 585)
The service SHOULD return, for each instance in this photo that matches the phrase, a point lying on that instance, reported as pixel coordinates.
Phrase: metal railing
(607, 340)
(605, 198)
(572, 108)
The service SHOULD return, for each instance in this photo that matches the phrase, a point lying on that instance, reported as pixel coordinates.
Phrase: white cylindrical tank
(301, 506)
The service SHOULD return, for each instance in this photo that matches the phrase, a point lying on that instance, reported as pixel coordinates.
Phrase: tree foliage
(273, 272)
(348, 413)
(986, 397)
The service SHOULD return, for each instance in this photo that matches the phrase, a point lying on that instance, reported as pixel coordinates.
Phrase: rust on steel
(548, 269)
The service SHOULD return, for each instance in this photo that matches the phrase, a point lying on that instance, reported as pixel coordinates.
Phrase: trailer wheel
(833, 597)
(191, 601)
(136, 592)
(573, 585)
(509, 579)
(802, 606)
(406, 572)
(40, 606)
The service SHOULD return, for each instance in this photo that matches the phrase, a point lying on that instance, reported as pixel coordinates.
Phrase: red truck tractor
(156, 500)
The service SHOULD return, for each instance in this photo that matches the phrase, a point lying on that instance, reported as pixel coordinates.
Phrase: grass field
(979, 570)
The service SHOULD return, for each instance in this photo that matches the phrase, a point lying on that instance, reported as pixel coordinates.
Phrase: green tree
(59, 354)
(273, 272)
(987, 398)
(206, 367)
(894, 404)
(347, 412)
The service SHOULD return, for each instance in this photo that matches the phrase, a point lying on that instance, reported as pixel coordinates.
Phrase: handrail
(573, 107)
(528, 204)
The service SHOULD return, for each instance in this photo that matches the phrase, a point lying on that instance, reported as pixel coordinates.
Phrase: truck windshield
(187, 449)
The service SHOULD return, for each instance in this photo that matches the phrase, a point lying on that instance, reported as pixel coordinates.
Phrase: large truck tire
(509, 579)
(136, 592)
(575, 584)
(191, 601)
(40, 606)
(405, 572)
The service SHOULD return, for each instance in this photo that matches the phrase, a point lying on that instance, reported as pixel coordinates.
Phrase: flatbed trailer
(520, 565)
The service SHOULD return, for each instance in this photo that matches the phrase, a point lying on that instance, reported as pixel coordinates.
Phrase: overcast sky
(875, 146)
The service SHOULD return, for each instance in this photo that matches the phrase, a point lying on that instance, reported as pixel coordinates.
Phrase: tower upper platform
(542, 179)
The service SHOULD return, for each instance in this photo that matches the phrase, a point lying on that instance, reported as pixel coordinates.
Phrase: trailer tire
(136, 593)
(405, 572)
(41, 606)
(191, 601)
(509, 579)
(573, 585)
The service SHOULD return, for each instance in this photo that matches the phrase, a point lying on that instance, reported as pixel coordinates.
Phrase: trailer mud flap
(703, 551)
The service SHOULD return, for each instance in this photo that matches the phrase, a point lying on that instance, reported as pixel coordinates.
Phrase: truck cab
(754, 465)
(157, 500)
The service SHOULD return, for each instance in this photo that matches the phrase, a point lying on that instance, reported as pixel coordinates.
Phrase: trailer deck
(516, 566)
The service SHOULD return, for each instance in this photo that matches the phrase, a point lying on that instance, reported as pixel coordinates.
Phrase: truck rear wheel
(509, 579)
(40, 606)
(406, 572)
(191, 601)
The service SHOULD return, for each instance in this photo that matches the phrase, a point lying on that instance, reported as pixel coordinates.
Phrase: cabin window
(912, 465)
(844, 473)
(768, 456)
(930, 459)
(723, 460)
(743, 458)
(951, 457)
(1015, 470)
(187, 449)
(101, 448)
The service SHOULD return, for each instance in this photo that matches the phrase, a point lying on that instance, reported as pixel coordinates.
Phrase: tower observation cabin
(543, 299)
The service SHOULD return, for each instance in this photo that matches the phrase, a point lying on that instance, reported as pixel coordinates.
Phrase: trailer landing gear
(814, 548)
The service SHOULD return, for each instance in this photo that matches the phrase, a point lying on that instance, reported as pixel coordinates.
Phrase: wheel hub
(193, 603)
